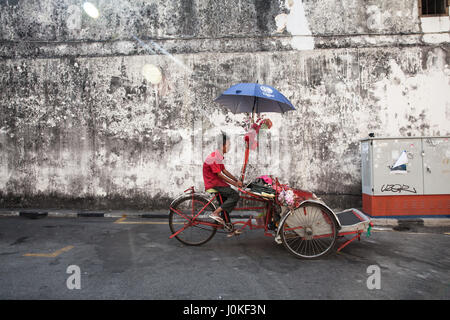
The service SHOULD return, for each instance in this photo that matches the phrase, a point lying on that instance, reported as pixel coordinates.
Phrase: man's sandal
(234, 233)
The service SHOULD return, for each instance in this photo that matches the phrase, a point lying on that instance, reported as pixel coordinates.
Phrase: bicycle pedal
(229, 227)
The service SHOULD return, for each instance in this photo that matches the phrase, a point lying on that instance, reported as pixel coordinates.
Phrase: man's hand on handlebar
(229, 178)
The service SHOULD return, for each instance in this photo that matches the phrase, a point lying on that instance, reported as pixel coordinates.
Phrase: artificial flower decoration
(291, 197)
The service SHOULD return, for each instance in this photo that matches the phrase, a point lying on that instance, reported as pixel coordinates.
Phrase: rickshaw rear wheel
(310, 231)
(190, 205)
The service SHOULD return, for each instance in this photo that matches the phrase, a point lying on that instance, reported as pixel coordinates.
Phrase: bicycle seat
(212, 190)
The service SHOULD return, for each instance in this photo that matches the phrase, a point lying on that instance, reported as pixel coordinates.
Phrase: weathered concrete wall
(82, 126)
(50, 28)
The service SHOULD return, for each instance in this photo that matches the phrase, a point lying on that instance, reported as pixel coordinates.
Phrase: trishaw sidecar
(312, 229)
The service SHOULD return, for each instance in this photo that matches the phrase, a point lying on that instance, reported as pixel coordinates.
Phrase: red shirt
(211, 167)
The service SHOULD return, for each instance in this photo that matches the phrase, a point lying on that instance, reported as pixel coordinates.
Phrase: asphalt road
(135, 259)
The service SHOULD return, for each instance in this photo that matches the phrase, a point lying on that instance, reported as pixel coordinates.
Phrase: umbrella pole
(247, 144)
(253, 109)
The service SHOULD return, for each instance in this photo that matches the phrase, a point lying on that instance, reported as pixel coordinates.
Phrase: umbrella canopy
(254, 97)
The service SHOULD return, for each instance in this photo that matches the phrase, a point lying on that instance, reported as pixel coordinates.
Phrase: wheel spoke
(200, 229)
(309, 235)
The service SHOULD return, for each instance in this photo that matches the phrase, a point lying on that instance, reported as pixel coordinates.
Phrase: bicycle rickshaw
(308, 229)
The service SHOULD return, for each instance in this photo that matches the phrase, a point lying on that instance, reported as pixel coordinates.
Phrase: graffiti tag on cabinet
(397, 188)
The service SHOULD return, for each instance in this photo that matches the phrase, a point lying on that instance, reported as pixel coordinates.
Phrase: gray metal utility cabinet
(408, 176)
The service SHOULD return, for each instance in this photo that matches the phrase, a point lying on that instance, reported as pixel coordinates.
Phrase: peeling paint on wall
(296, 23)
(436, 29)
(415, 102)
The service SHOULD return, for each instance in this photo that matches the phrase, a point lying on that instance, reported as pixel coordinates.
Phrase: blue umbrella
(254, 97)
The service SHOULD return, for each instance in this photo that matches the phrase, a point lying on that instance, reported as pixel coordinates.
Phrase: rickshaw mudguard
(335, 218)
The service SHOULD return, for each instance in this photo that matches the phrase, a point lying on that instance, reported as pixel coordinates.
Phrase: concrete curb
(36, 214)
(54, 214)
(33, 214)
(9, 213)
(423, 222)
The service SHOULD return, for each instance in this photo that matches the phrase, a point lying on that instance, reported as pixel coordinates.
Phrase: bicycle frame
(193, 219)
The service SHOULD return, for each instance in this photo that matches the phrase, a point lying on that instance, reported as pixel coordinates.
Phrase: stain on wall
(81, 126)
